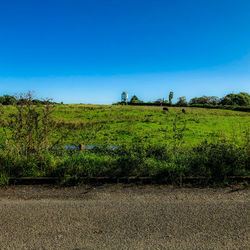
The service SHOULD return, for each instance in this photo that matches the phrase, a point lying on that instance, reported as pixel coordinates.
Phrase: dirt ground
(124, 217)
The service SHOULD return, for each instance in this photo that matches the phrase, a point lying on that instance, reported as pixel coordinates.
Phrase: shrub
(182, 102)
(241, 99)
(217, 161)
(212, 100)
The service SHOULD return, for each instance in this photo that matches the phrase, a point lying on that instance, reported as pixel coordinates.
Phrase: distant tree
(159, 101)
(194, 100)
(241, 99)
(165, 101)
(36, 102)
(205, 100)
(13, 100)
(170, 97)
(182, 101)
(135, 99)
(200, 100)
(2, 99)
(7, 100)
(214, 100)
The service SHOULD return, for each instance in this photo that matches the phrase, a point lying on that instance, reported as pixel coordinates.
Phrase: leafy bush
(30, 130)
(182, 102)
(4, 179)
(241, 99)
(212, 100)
(214, 161)
(217, 161)
(8, 100)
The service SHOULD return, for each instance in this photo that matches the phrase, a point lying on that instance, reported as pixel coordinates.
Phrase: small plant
(179, 128)
(4, 180)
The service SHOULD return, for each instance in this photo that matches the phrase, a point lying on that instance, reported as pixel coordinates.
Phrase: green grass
(152, 124)
(204, 142)
(121, 124)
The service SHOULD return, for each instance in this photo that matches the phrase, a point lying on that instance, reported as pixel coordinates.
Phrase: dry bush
(30, 130)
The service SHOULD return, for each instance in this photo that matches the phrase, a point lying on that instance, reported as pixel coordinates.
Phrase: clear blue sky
(89, 51)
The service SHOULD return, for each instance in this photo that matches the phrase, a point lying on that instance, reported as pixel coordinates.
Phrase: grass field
(152, 124)
(151, 142)
(122, 124)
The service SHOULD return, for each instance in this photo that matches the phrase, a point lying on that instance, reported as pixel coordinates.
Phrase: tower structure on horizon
(124, 97)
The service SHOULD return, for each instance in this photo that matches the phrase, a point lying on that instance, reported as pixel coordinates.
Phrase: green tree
(158, 101)
(182, 101)
(214, 100)
(241, 99)
(170, 97)
(8, 100)
(135, 99)
(2, 99)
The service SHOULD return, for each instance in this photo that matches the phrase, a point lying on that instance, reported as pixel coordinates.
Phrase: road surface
(124, 217)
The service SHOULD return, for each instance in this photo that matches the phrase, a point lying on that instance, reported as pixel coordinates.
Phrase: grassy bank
(215, 161)
(150, 142)
(124, 124)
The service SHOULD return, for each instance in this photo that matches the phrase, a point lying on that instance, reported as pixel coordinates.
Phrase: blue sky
(89, 51)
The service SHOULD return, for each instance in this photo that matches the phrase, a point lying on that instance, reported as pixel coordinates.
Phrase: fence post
(81, 147)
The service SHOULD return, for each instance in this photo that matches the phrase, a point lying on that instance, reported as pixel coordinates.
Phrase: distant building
(124, 97)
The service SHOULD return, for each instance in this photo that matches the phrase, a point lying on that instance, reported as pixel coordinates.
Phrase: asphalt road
(124, 217)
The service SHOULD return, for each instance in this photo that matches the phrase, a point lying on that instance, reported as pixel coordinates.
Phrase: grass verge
(214, 162)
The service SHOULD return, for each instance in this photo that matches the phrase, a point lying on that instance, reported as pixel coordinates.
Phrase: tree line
(240, 99)
(13, 100)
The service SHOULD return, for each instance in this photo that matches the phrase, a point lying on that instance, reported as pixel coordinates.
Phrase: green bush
(214, 161)
(241, 99)
(217, 161)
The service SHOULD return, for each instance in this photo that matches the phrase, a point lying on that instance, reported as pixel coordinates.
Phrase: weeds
(4, 179)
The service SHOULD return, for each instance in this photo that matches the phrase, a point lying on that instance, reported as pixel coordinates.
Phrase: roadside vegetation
(44, 139)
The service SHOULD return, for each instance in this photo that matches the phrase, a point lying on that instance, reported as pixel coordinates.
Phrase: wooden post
(81, 147)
